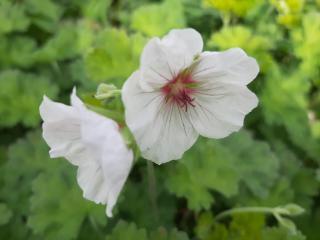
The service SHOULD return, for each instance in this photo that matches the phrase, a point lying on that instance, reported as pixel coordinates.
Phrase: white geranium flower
(180, 92)
(91, 142)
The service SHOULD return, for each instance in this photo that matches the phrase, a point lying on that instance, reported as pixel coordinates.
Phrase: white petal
(162, 60)
(75, 100)
(163, 132)
(159, 65)
(177, 136)
(221, 109)
(61, 130)
(140, 108)
(93, 143)
(53, 111)
(230, 66)
(188, 40)
(103, 183)
(103, 177)
(116, 168)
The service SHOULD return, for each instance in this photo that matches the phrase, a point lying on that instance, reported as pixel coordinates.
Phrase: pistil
(179, 90)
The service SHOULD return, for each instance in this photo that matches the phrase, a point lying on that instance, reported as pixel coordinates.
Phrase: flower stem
(226, 18)
(96, 227)
(152, 182)
(108, 113)
(224, 214)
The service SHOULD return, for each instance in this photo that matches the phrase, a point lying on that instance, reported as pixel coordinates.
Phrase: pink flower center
(179, 90)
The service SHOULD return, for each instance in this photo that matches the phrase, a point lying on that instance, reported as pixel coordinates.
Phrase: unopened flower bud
(106, 91)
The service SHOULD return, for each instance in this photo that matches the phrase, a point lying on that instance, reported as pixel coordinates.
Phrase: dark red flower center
(179, 90)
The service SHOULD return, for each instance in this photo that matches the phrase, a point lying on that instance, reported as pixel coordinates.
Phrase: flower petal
(53, 111)
(221, 109)
(162, 131)
(188, 40)
(76, 101)
(61, 131)
(141, 108)
(103, 184)
(91, 142)
(230, 66)
(177, 135)
(162, 60)
(158, 65)
(103, 176)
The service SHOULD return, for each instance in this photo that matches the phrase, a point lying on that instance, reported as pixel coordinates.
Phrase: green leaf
(31, 157)
(163, 234)
(125, 231)
(281, 234)
(62, 45)
(70, 40)
(49, 198)
(204, 224)
(95, 9)
(129, 231)
(305, 186)
(181, 182)
(16, 229)
(5, 214)
(138, 192)
(12, 17)
(21, 93)
(170, 10)
(115, 55)
(60, 212)
(240, 8)
(222, 166)
(309, 224)
(254, 161)
(16, 51)
(242, 227)
(306, 47)
(295, 183)
(44, 13)
(284, 102)
(257, 46)
(246, 226)
(290, 11)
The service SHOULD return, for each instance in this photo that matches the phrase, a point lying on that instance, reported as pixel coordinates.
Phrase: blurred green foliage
(48, 46)
(211, 161)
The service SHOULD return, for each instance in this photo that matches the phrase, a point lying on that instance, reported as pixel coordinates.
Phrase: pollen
(180, 90)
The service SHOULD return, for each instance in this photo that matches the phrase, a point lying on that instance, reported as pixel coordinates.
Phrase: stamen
(179, 90)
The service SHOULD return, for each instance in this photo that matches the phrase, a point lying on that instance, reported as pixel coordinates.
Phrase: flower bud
(106, 91)
(293, 209)
(288, 224)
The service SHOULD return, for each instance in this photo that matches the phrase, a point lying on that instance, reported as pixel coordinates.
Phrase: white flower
(91, 142)
(180, 92)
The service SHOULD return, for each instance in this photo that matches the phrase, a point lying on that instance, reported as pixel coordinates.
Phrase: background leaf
(227, 163)
(170, 10)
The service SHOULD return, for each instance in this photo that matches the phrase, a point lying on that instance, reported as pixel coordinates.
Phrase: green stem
(108, 113)
(266, 210)
(152, 182)
(226, 18)
(95, 226)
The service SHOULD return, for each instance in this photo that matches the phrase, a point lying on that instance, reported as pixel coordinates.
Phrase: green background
(49, 46)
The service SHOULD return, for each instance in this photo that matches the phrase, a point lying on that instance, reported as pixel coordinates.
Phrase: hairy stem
(224, 214)
(152, 182)
(96, 227)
